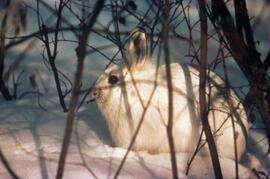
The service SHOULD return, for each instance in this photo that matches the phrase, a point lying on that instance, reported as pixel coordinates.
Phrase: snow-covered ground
(32, 128)
(31, 141)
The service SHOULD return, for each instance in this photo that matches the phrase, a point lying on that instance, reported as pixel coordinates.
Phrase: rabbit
(137, 90)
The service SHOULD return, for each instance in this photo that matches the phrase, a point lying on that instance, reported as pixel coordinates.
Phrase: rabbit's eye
(113, 79)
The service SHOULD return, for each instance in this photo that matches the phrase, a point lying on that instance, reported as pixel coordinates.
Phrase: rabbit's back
(187, 125)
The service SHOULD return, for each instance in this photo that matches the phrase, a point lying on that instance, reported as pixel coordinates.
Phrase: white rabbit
(122, 94)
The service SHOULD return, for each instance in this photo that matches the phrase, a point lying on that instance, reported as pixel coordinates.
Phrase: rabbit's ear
(136, 50)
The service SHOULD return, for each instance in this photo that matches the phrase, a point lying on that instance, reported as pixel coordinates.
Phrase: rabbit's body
(125, 97)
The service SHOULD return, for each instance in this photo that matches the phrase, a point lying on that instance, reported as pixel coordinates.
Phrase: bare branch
(202, 91)
(81, 52)
(8, 167)
(3, 88)
(164, 34)
(248, 59)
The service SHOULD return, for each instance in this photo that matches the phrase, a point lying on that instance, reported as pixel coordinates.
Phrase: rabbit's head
(118, 80)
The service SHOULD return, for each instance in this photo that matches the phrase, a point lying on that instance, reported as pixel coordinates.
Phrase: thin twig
(4, 90)
(231, 106)
(52, 54)
(7, 166)
(165, 31)
(202, 92)
(81, 52)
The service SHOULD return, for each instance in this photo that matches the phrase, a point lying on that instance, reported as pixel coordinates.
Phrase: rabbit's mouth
(93, 95)
(97, 95)
(90, 100)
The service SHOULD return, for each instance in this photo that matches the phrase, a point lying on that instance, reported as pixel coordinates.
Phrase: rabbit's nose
(93, 94)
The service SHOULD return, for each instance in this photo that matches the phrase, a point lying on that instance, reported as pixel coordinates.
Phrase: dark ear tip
(138, 31)
(139, 38)
(141, 29)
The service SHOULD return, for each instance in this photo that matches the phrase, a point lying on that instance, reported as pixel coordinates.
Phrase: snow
(32, 128)
(31, 141)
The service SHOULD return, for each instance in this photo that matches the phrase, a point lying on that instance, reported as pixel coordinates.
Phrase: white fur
(123, 105)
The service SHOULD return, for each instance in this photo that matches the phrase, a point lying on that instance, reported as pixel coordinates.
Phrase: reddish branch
(202, 92)
(81, 53)
(164, 34)
(245, 55)
(3, 87)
